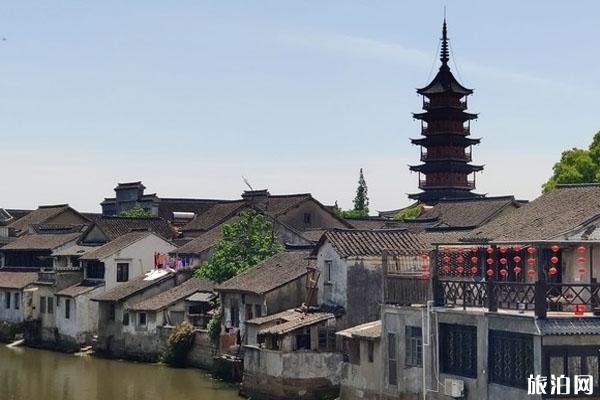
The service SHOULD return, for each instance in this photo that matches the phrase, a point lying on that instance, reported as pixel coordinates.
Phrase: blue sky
(294, 95)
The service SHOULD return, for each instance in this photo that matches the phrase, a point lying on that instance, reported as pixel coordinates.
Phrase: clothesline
(163, 260)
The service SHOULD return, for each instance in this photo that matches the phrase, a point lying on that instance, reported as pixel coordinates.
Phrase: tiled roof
(206, 240)
(215, 216)
(271, 273)
(291, 321)
(546, 217)
(313, 235)
(370, 330)
(36, 241)
(17, 280)
(110, 248)
(38, 216)
(570, 326)
(280, 204)
(132, 287)
(368, 223)
(472, 212)
(173, 295)
(114, 227)
(167, 206)
(79, 289)
(75, 250)
(349, 243)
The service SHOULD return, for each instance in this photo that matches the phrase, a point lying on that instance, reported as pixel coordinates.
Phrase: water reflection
(37, 374)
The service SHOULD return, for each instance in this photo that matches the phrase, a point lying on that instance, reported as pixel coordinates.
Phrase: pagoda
(446, 147)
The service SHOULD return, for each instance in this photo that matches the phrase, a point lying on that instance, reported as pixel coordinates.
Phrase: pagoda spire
(444, 53)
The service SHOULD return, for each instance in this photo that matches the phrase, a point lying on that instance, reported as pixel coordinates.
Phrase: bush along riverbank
(9, 331)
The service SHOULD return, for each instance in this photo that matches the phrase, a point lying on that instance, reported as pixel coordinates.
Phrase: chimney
(257, 198)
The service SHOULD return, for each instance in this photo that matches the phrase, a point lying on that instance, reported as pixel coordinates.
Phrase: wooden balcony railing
(423, 184)
(539, 297)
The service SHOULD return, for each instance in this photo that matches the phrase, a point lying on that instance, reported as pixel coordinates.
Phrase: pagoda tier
(446, 139)
(446, 149)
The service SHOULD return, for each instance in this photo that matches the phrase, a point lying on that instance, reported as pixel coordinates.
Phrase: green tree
(135, 212)
(244, 244)
(361, 200)
(577, 166)
(410, 212)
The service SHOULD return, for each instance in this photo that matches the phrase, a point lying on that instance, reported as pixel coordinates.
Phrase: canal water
(30, 374)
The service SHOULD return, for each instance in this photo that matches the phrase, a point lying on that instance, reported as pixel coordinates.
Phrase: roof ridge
(54, 205)
(574, 185)
(468, 199)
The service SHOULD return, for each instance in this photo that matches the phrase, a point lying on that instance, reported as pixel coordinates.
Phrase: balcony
(424, 185)
(465, 130)
(462, 105)
(425, 156)
(47, 277)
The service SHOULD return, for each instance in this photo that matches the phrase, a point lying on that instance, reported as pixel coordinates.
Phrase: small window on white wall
(328, 267)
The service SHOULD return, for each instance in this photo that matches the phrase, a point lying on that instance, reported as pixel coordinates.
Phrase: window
(392, 360)
(234, 313)
(94, 270)
(50, 306)
(510, 358)
(303, 341)
(249, 315)
(67, 308)
(257, 311)
(125, 319)
(112, 311)
(75, 263)
(307, 219)
(371, 350)
(328, 264)
(355, 351)
(571, 361)
(142, 319)
(17, 301)
(42, 305)
(122, 272)
(414, 346)
(326, 339)
(7, 300)
(458, 350)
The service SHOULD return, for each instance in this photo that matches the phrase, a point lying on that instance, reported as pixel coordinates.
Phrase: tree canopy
(577, 166)
(245, 243)
(135, 212)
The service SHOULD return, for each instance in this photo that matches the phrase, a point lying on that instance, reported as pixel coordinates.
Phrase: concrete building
(363, 363)
(292, 354)
(105, 268)
(275, 284)
(16, 301)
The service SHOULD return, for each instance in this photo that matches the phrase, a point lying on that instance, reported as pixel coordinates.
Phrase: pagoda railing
(466, 130)
(424, 185)
(428, 106)
(467, 157)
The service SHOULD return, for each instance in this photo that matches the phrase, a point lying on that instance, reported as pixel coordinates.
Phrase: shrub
(179, 344)
(214, 325)
(8, 331)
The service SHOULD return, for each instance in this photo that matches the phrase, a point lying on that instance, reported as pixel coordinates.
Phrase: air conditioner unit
(454, 388)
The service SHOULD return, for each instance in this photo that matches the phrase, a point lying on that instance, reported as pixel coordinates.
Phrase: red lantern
(446, 249)
(555, 248)
(581, 260)
(474, 260)
(531, 272)
(424, 256)
(446, 259)
(517, 247)
(474, 249)
(517, 270)
(490, 249)
(460, 270)
(581, 249)
(552, 271)
(581, 270)
(460, 259)
(446, 269)
(503, 272)
(531, 261)
(460, 249)
(425, 266)
(425, 275)
(473, 270)
(531, 250)
(490, 272)
(517, 259)
(503, 249)
(489, 261)
(503, 261)
(554, 260)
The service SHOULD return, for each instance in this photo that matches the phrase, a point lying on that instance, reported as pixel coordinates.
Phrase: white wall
(332, 291)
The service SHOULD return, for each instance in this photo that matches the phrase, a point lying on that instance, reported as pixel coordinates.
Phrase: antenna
(247, 183)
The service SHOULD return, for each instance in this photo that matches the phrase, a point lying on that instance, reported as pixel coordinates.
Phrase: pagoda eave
(450, 113)
(454, 139)
(446, 166)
